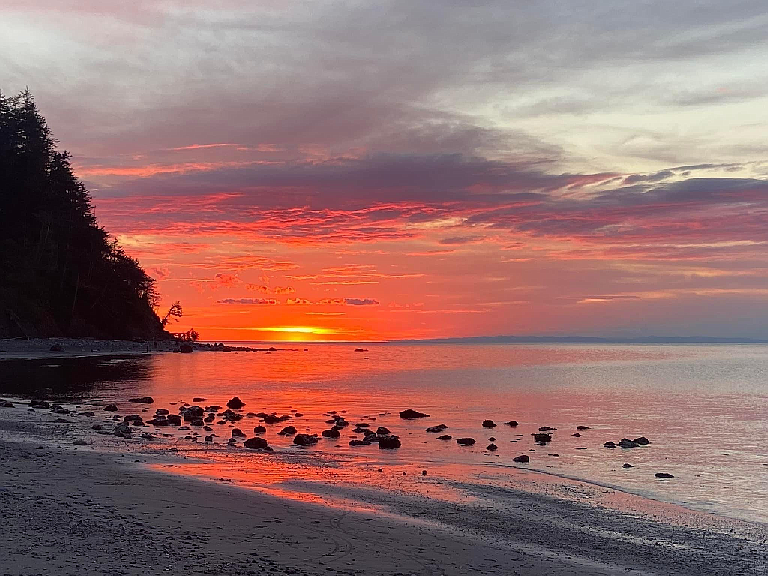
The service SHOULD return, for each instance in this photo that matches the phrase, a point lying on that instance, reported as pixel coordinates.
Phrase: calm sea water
(704, 408)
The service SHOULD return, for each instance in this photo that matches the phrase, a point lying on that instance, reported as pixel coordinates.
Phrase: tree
(174, 311)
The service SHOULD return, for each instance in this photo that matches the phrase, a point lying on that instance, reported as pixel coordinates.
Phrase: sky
(350, 170)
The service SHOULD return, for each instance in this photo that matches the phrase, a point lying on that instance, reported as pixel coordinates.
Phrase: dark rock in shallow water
(627, 443)
(576, 434)
(410, 414)
(159, 421)
(186, 349)
(132, 418)
(582, 428)
(142, 400)
(259, 430)
(610, 445)
(305, 439)
(491, 447)
(445, 437)
(554, 455)
(274, 418)
(256, 443)
(489, 424)
(627, 465)
(210, 418)
(546, 428)
(521, 459)
(197, 422)
(332, 433)
(235, 403)
(512, 423)
(359, 443)
(663, 475)
(110, 408)
(382, 431)
(174, 420)
(287, 431)
(437, 429)
(42, 404)
(237, 433)
(191, 413)
(198, 399)
(207, 428)
(123, 429)
(389, 442)
(542, 437)
(209, 438)
(231, 416)
(492, 439)
(465, 441)
(162, 412)
(642, 441)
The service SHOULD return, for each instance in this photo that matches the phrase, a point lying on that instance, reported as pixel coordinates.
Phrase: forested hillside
(60, 272)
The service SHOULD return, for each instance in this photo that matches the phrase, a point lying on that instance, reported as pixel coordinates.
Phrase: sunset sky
(349, 170)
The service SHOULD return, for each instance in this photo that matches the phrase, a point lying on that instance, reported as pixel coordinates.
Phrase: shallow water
(704, 408)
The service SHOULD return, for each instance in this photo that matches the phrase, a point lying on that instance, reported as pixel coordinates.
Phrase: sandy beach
(99, 508)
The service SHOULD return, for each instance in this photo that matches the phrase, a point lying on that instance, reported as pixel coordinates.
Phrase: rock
(663, 475)
(305, 439)
(583, 428)
(210, 438)
(491, 447)
(5, 403)
(42, 404)
(576, 435)
(542, 437)
(197, 422)
(210, 418)
(274, 418)
(142, 400)
(235, 403)
(362, 425)
(216, 408)
(174, 420)
(423, 472)
(642, 441)
(162, 412)
(231, 416)
(256, 443)
(361, 349)
(437, 429)
(627, 443)
(132, 418)
(287, 431)
(198, 399)
(465, 441)
(609, 445)
(410, 414)
(489, 424)
(521, 459)
(159, 421)
(389, 442)
(445, 437)
(80, 443)
(382, 431)
(123, 429)
(627, 465)
(97, 427)
(207, 428)
(186, 348)
(512, 423)
(555, 455)
(332, 433)
(259, 430)
(359, 443)
(237, 433)
(110, 408)
(546, 428)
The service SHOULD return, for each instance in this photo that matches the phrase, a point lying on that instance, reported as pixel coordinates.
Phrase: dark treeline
(60, 273)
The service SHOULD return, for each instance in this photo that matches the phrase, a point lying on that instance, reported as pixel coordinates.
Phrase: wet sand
(70, 509)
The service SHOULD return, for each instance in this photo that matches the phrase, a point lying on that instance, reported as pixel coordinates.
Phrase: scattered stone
(512, 423)
(627, 443)
(97, 427)
(437, 429)
(359, 443)
(382, 431)
(162, 412)
(610, 445)
(642, 441)
(524, 459)
(542, 437)
(235, 403)
(259, 430)
(142, 400)
(198, 399)
(423, 472)
(410, 414)
(110, 408)
(256, 443)
(576, 435)
(287, 431)
(627, 465)
(389, 442)
(465, 441)
(555, 455)
(663, 475)
(546, 428)
(491, 447)
(174, 420)
(79, 442)
(332, 433)
(210, 438)
(583, 428)
(489, 424)
(39, 404)
(159, 421)
(445, 437)
(237, 433)
(305, 439)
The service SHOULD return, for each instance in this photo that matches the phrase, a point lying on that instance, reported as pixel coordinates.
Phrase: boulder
(159, 421)
(359, 443)
(191, 413)
(542, 437)
(259, 430)
(410, 414)
(524, 459)
(576, 435)
(110, 408)
(546, 428)
(162, 412)
(582, 428)
(186, 349)
(305, 439)
(197, 422)
(231, 416)
(642, 441)
(489, 424)
(491, 447)
(174, 420)
(237, 433)
(627, 465)
(209, 438)
(663, 475)
(512, 423)
(437, 429)
(445, 437)
(142, 400)
(132, 418)
(235, 403)
(198, 399)
(332, 433)
(256, 443)
(287, 431)
(627, 443)
(465, 441)
(389, 442)
(609, 445)
(42, 404)
(210, 418)
(382, 431)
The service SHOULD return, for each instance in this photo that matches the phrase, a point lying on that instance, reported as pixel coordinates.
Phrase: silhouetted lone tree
(60, 273)
(174, 311)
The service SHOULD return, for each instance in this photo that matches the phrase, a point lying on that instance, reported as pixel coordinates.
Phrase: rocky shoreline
(58, 465)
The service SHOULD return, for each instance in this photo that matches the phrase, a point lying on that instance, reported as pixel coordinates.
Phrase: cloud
(249, 301)
(361, 301)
